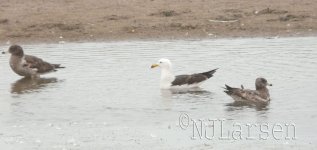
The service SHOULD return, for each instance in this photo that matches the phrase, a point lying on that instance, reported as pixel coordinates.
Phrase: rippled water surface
(109, 98)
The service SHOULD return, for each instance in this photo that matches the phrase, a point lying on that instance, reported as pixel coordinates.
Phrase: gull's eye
(160, 62)
(264, 80)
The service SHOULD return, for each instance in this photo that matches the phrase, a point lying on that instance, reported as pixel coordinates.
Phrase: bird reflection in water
(238, 105)
(193, 91)
(26, 85)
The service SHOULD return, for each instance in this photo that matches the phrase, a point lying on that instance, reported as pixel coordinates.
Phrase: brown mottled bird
(169, 81)
(27, 65)
(260, 95)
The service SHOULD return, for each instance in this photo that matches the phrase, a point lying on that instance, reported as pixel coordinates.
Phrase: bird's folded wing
(251, 95)
(189, 79)
(39, 64)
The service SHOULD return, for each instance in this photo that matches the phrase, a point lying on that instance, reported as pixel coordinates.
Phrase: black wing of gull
(192, 79)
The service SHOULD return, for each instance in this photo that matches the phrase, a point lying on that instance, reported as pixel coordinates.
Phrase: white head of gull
(167, 77)
(169, 80)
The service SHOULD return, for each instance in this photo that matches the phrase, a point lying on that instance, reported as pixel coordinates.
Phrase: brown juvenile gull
(27, 65)
(261, 94)
(169, 81)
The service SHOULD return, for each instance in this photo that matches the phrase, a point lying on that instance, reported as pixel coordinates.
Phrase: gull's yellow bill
(154, 65)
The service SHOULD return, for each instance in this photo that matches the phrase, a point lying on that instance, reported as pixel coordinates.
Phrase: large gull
(259, 95)
(27, 65)
(169, 81)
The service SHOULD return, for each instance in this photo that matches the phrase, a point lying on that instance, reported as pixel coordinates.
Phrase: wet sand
(98, 20)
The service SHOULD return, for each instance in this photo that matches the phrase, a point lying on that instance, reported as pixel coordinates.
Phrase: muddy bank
(95, 20)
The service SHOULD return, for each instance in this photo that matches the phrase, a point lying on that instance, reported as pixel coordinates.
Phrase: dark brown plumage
(28, 65)
(261, 94)
(41, 65)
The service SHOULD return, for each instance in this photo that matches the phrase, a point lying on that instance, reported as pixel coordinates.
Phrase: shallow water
(109, 98)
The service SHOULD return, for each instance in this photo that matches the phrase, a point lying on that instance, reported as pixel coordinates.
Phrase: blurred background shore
(99, 20)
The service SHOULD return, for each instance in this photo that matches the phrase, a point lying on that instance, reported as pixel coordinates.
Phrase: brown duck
(260, 95)
(27, 65)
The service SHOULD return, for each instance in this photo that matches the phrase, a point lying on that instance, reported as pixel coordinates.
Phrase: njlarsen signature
(212, 129)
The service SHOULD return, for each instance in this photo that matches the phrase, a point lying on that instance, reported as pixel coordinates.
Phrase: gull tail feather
(58, 66)
(210, 73)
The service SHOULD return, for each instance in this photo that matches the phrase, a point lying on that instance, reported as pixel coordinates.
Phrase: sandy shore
(97, 20)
